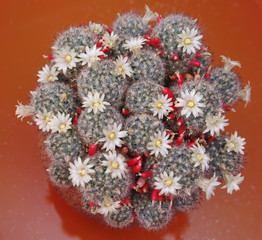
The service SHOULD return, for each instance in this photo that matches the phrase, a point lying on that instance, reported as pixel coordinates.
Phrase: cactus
(133, 119)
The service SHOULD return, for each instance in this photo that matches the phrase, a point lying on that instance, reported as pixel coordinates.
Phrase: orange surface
(31, 209)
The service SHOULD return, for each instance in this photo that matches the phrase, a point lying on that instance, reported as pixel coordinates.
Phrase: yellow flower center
(110, 43)
(112, 135)
(199, 157)
(62, 126)
(121, 69)
(63, 97)
(158, 143)
(108, 204)
(96, 104)
(51, 77)
(232, 145)
(168, 182)
(82, 172)
(190, 104)
(92, 58)
(68, 58)
(96, 30)
(47, 119)
(187, 41)
(159, 105)
(114, 165)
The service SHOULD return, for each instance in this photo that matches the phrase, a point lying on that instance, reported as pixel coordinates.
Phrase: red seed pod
(175, 57)
(179, 141)
(150, 42)
(169, 132)
(91, 204)
(139, 190)
(173, 109)
(75, 121)
(109, 30)
(180, 80)
(156, 41)
(158, 19)
(126, 201)
(160, 53)
(207, 75)
(226, 107)
(132, 186)
(137, 168)
(160, 198)
(155, 166)
(198, 55)
(141, 182)
(106, 50)
(78, 111)
(181, 131)
(99, 43)
(125, 112)
(102, 57)
(146, 174)
(151, 29)
(50, 56)
(147, 37)
(146, 155)
(173, 77)
(195, 63)
(145, 188)
(171, 116)
(133, 161)
(154, 195)
(124, 151)
(92, 149)
(191, 144)
(180, 121)
(168, 92)
(211, 139)
(171, 197)
(201, 135)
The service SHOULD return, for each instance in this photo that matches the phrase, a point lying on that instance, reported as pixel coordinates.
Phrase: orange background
(31, 209)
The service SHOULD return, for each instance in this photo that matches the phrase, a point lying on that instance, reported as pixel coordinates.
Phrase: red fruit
(106, 50)
(171, 197)
(125, 112)
(151, 29)
(173, 77)
(50, 56)
(92, 149)
(171, 116)
(146, 174)
(141, 182)
(226, 107)
(195, 63)
(145, 188)
(180, 80)
(207, 75)
(150, 42)
(168, 92)
(75, 121)
(124, 151)
(160, 53)
(137, 168)
(91, 204)
(198, 55)
(154, 195)
(147, 155)
(147, 37)
(180, 121)
(175, 57)
(160, 198)
(211, 139)
(191, 144)
(169, 132)
(179, 141)
(139, 190)
(132, 186)
(99, 43)
(79, 110)
(102, 57)
(126, 201)
(109, 30)
(134, 161)
(156, 41)
(158, 19)
(182, 131)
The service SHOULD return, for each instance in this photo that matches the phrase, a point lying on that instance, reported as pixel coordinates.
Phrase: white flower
(23, 110)
(109, 40)
(112, 137)
(80, 172)
(43, 120)
(208, 185)
(115, 164)
(122, 67)
(199, 157)
(95, 103)
(95, 27)
(134, 45)
(161, 106)
(159, 143)
(229, 64)
(91, 56)
(232, 182)
(245, 94)
(149, 16)
(189, 40)
(108, 206)
(235, 143)
(190, 103)
(65, 59)
(60, 123)
(215, 124)
(47, 74)
(168, 184)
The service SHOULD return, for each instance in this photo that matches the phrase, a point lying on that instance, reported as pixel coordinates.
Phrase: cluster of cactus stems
(133, 117)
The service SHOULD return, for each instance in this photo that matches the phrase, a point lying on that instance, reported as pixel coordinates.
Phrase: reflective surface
(31, 209)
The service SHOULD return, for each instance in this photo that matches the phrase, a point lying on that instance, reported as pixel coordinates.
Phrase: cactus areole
(132, 119)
